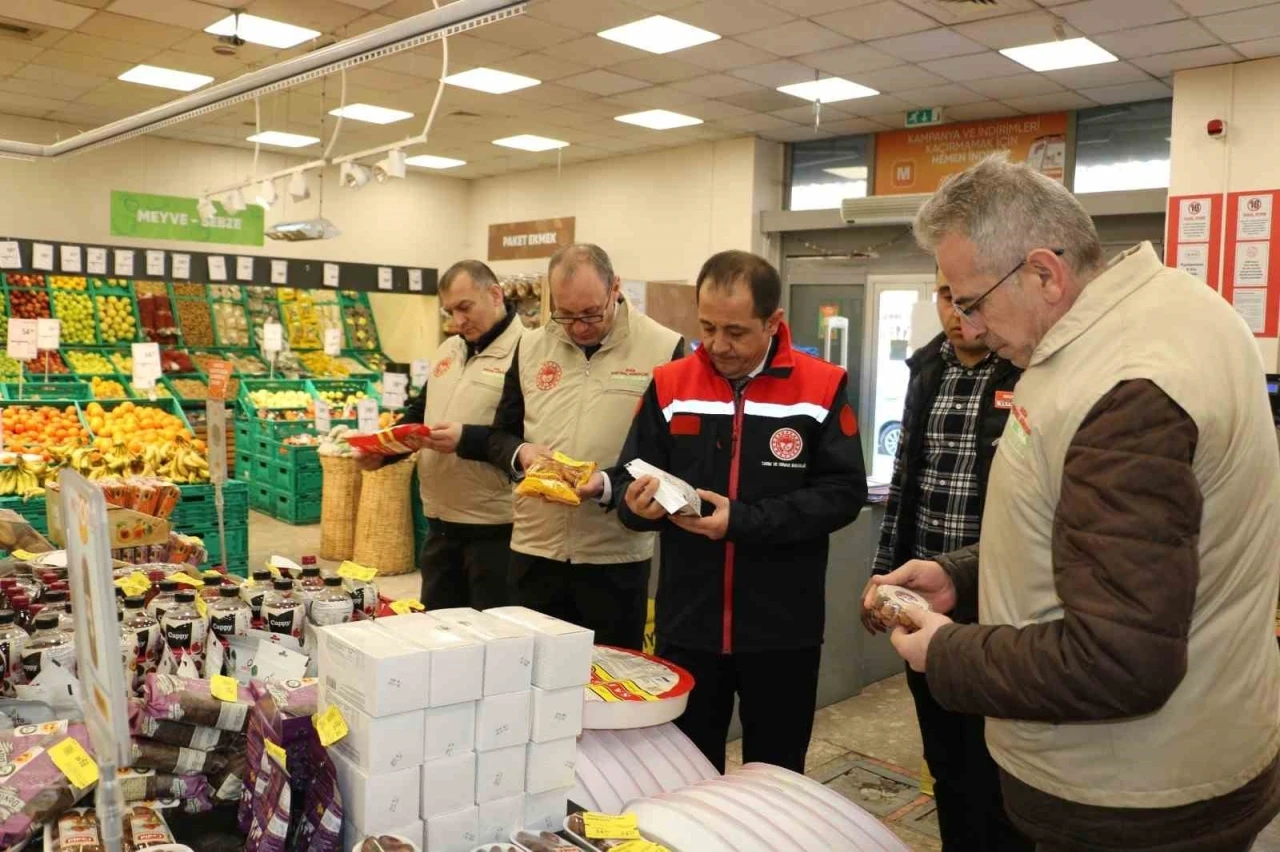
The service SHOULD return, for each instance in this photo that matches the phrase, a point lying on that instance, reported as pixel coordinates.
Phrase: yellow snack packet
(556, 479)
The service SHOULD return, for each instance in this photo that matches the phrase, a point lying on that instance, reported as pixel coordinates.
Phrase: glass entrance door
(898, 304)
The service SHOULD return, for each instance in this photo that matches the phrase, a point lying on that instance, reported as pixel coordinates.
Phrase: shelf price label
(244, 268)
(217, 267)
(332, 274)
(333, 341)
(182, 266)
(279, 272)
(419, 371)
(10, 255)
(272, 337)
(155, 263)
(48, 333)
(75, 763)
(330, 726)
(124, 263)
(415, 280)
(70, 258)
(42, 256)
(367, 415)
(23, 334)
(97, 261)
(146, 364)
(395, 389)
(324, 417)
(384, 278)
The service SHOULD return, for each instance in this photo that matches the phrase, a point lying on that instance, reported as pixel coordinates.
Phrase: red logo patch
(442, 367)
(686, 424)
(548, 375)
(1004, 399)
(786, 444)
(848, 421)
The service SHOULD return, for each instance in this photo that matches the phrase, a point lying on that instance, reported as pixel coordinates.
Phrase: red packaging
(396, 441)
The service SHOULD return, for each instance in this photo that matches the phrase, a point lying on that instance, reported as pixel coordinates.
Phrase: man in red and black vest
(767, 436)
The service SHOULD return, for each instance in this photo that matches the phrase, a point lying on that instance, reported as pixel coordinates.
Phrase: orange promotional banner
(918, 159)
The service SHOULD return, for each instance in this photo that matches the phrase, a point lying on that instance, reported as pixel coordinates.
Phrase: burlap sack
(384, 522)
(339, 502)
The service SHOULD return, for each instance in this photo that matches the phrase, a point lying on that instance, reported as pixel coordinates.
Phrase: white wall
(1246, 96)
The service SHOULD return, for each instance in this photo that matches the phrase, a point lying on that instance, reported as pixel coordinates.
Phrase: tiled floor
(867, 747)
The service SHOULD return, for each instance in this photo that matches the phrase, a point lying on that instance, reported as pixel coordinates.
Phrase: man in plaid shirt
(958, 399)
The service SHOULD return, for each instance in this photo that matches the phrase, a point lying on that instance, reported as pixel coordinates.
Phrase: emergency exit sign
(924, 117)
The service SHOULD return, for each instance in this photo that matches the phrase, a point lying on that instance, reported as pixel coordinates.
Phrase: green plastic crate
(237, 557)
(34, 511)
(244, 467)
(46, 390)
(261, 497)
(167, 405)
(294, 509)
(105, 372)
(275, 431)
(296, 480)
(197, 510)
(294, 455)
(249, 386)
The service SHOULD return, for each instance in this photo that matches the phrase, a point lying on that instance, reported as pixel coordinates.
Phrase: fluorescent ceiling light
(165, 78)
(1056, 55)
(282, 139)
(828, 90)
(371, 114)
(430, 161)
(658, 119)
(491, 80)
(848, 172)
(528, 142)
(263, 31)
(659, 34)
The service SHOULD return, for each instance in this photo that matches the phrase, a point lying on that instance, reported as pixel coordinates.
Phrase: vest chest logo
(1004, 400)
(442, 367)
(786, 444)
(629, 379)
(1017, 431)
(548, 376)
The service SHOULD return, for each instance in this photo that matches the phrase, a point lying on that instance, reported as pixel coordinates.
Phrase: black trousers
(612, 600)
(966, 781)
(466, 565)
(777, 695)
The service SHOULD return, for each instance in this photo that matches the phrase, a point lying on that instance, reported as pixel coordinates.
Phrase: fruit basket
(195, 319)
(274, 394)
(84, 362)
(77, 314)
(192, 387)
(50, 390)
(362, 334)
(28, 301)
(342, 396)
(111, 387)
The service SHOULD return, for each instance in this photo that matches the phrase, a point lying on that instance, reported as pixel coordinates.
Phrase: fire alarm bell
(1217, 128)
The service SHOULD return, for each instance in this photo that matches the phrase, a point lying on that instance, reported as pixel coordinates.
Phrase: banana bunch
(181, 463)
(176, 460)
(25, 479)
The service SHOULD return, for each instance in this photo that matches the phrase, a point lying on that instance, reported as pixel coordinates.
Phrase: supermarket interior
(301, 303)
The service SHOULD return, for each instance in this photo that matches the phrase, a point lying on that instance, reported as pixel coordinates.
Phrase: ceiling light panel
(371, 114)
(659, 34)
(1056, 55)
(491, 81)
(430, 161)
(283, 140)
(659, 119)
(263, 31)
(165, 78)
(529, 142)
(828, 90)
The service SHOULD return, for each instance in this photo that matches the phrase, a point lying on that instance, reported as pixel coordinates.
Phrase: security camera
(1217, 129)
(353, 175)
(392, 167)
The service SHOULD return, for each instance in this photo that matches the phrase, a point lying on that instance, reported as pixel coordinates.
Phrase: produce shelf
(50, 390)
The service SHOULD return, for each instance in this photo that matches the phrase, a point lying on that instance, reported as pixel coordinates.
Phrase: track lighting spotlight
(206, 209)
(353, 175)
(266, 194)
(391, 167)
(234, 202)
(298, 189)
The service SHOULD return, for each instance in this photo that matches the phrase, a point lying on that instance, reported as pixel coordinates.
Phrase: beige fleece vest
(1219, 729)
(466, 391)
(584, 408)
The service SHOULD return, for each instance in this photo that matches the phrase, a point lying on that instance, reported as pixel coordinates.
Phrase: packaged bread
(556, 478)
(892, 603)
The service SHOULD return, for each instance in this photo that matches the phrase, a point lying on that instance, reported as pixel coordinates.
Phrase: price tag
(124, 263)
(70, 257)
(96, 263)
(244, 269)
(146, 364)
(333, 341)
(331, 274)
(354, 571)
(324, 417)
(610, 826)
(217, 267)
(272, 337)
(277, 753)
(224, 688)
(155, 263)
(202, 608)
(10, 255)
(48, 333)
(419, 371)
(182, 266)
(406, 606)
(185, 579)
(415, 280)
(135, 584)
(219, 377)
(22, 339)
(279, 272)
(366, 410)
(384, 278)
(75, 763)
(395, 389)
(330, 726)
(42, 256)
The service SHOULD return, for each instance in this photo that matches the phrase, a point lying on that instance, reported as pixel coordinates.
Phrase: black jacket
(786, 452)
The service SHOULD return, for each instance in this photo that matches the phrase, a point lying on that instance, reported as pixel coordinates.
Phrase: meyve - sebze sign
(523, 240)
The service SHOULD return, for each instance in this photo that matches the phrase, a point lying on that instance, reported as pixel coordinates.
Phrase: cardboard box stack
(462, 725)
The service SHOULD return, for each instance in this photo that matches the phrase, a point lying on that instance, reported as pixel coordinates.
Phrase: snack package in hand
(396, 441)
(891, 605)
(556, 479)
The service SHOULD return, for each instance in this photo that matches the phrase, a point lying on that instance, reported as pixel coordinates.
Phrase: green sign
(924, 117)
(171, 217)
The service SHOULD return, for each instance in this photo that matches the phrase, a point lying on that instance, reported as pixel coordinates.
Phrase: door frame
(924, 283)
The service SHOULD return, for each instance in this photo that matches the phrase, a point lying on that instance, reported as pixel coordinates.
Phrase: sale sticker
(75, 763)
(330, 726)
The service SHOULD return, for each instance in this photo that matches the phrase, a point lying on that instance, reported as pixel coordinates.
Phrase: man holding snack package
(568, 395)
(767, 437)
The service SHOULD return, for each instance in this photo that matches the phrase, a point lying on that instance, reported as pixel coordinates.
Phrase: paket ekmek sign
(523, 240)
(172, 217)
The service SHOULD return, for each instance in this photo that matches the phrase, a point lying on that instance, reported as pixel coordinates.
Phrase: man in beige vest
(468, 548)
(1129, 560)
(573, 387)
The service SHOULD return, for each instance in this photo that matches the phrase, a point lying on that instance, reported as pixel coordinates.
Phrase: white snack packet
(674, 494)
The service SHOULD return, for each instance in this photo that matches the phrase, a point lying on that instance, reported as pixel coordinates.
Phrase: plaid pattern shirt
(949, 509)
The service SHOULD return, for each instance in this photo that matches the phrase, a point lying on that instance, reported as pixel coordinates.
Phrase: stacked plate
(615, 767)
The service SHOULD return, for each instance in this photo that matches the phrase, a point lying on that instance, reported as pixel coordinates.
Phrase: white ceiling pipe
(457, 17)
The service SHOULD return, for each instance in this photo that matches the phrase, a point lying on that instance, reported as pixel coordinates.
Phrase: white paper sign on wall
(124, 263)
(155, 263)
(279, 272)
(395, 389)
(22, 339)
(415, 280)
(42, 257)
(244, 268)
(367, 415)
(48, 333)
(272, 337)
(182, 266)
(384, 278)
(70, 258)
(146, 364)
(96, 263)
(10, 255)
(419, 370)
(331, 275)
(324, 417)
(217, 267)
(333, 341)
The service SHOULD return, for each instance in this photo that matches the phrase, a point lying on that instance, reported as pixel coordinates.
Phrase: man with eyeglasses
(1125, 656)
(958, 399)
(573, 387)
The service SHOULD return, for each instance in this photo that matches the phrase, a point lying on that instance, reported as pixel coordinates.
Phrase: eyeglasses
(970, 311)
(586, 319)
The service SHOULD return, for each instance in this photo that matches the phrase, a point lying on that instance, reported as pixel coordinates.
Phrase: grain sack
(339, 501)
(384, 524)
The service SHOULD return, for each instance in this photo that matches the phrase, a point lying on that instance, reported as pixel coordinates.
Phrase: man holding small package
(766, 436)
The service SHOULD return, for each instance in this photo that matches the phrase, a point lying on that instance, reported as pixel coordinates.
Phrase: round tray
(633, 690)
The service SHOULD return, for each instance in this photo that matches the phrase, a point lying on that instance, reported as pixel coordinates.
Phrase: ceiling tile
(526, 33)
(1260, 49)
(1104, 16)
(18, 86)
(977, 66)
(891, 120)
(810, 8)
(1166, 63)
(1015, 30)
(1161, 38)
(59, 77)
(468, 51)
(1129, 92)
(366, 5)
(879, 104)
(86, 64)
(716, 86)
(595, 52)
(602, 82)
(10, 67)
(714, 110)
(730, 17)
(763, 101)
(1017, 86)
(794, 38)
(18, 52)
(48, 13)
(1215, 7)
(900, 77)
(658, 69)
(106, 48)
(551, 94)
(804, 114)
(775, 74)
(372, 77)
(932, 44)
(323, 15)
(1093, 76)
(846, 61)
(948, 95)
(724, 55)
(1060, 102)
(602, 107)
(979, 111)
(854, 126)
(950, 12)
(876, 20)
(754, 123)
(796, 134)
(540, 66)
(590, 16)
(1245, 25)
(133, 30)
(656, 97)
(180, 13)
(202, 43)
(360, 26)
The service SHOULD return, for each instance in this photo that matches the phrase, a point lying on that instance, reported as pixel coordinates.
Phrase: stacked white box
(557, 713)
(378, 745)
(508, 647)
(456, 672)
(550, 766)
(502, 721)
(458, 831)
(545, 811)
(499, 773)
(449, 730)
(561, 651)
(414, 831)
(372, 670)
(377, 804)
(499, 819)
(448, 784)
